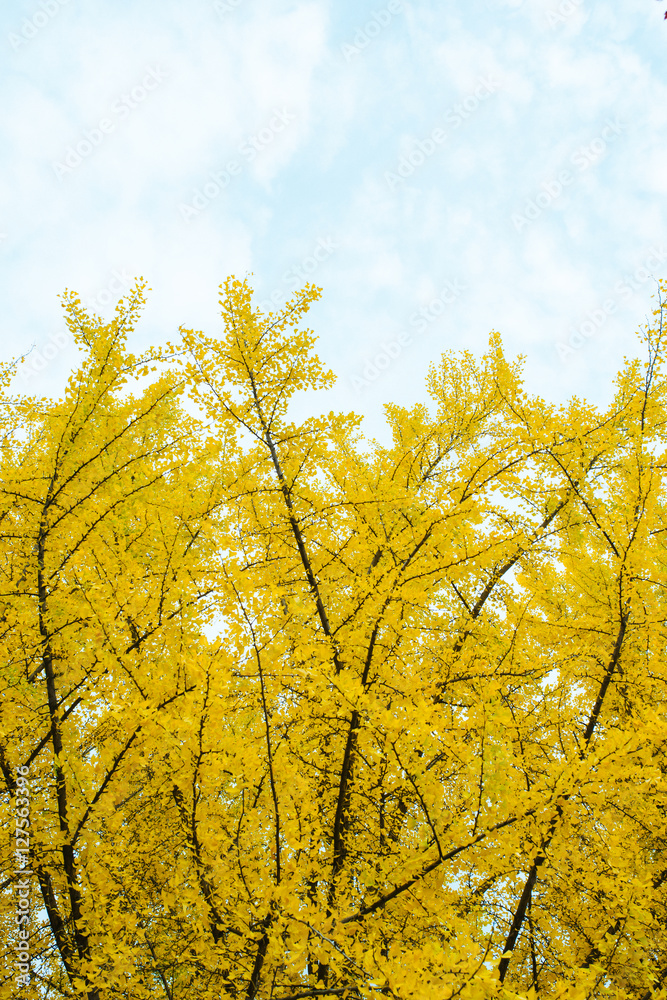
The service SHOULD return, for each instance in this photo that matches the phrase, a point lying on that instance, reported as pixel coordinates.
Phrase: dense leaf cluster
(303, 715)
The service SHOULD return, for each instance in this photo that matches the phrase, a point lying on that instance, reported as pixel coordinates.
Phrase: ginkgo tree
(307, 715)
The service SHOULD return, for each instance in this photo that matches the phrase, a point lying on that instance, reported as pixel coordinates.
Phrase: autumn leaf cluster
(306, 715)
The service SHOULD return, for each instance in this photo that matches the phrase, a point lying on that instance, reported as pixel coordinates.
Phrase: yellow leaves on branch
(303, 715)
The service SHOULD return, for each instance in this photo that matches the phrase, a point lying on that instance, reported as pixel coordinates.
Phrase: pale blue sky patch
(442, 170)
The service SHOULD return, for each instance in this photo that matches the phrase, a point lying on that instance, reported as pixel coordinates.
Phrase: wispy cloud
(536, 191)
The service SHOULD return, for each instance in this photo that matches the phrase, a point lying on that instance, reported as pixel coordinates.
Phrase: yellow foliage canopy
(290, 714)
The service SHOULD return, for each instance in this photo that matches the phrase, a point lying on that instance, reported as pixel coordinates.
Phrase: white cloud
(324, 174)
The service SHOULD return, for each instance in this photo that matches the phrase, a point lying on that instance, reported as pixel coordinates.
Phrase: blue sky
(440, 169)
